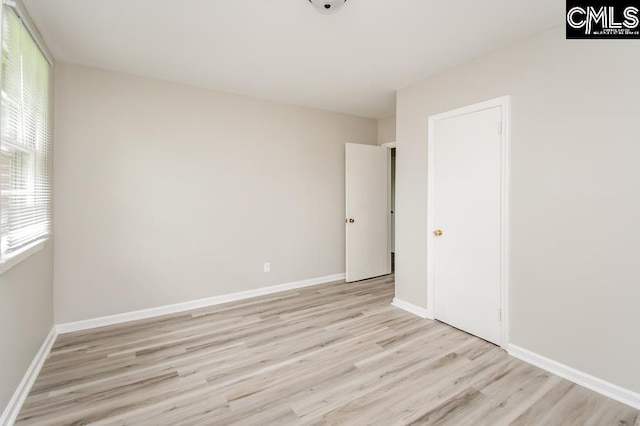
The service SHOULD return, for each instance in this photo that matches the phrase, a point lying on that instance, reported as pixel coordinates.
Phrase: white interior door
(466, 221)
(367, 212)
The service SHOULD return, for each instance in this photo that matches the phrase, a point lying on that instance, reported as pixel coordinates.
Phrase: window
(25, 138)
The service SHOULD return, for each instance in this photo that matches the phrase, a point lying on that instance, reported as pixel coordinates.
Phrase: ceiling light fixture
(328, 7)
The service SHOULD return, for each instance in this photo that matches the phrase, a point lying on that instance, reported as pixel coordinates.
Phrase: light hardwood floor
(331, 354)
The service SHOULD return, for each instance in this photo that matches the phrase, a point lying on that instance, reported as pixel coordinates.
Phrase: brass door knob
(437, 233)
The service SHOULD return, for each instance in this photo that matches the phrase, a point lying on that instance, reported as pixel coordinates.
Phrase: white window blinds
(25, 136)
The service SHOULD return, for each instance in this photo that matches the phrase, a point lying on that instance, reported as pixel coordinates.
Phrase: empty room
(320, 212)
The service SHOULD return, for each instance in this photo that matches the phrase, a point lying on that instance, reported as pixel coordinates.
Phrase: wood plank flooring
(330, 354)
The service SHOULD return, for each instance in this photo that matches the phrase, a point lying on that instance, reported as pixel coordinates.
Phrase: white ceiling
(283, 50)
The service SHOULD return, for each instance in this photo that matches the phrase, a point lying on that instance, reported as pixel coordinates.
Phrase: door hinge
(499, 127)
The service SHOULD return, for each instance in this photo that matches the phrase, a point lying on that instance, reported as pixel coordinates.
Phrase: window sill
(21, 255)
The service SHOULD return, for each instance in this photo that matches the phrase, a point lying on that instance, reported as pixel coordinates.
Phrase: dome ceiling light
(328, 7)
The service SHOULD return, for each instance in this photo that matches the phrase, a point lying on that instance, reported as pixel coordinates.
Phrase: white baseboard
(603, 387)
(20, 395)
(411, 308)
(187, 306)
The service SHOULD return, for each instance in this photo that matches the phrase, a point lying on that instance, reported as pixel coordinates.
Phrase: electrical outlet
(267, 266)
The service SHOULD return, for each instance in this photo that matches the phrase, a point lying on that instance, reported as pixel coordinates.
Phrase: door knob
(351, 220)
(437, 233)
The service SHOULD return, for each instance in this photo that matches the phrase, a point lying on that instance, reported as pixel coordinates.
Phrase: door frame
(504, 103)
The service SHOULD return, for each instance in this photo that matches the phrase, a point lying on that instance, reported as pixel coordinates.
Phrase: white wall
(26, 317)
(575, 199)
(387, 130)
(167, 193)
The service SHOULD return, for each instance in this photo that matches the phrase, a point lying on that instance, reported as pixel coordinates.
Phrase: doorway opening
(367, 211)
(391, 191)
(392, 210)
(370, 210)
